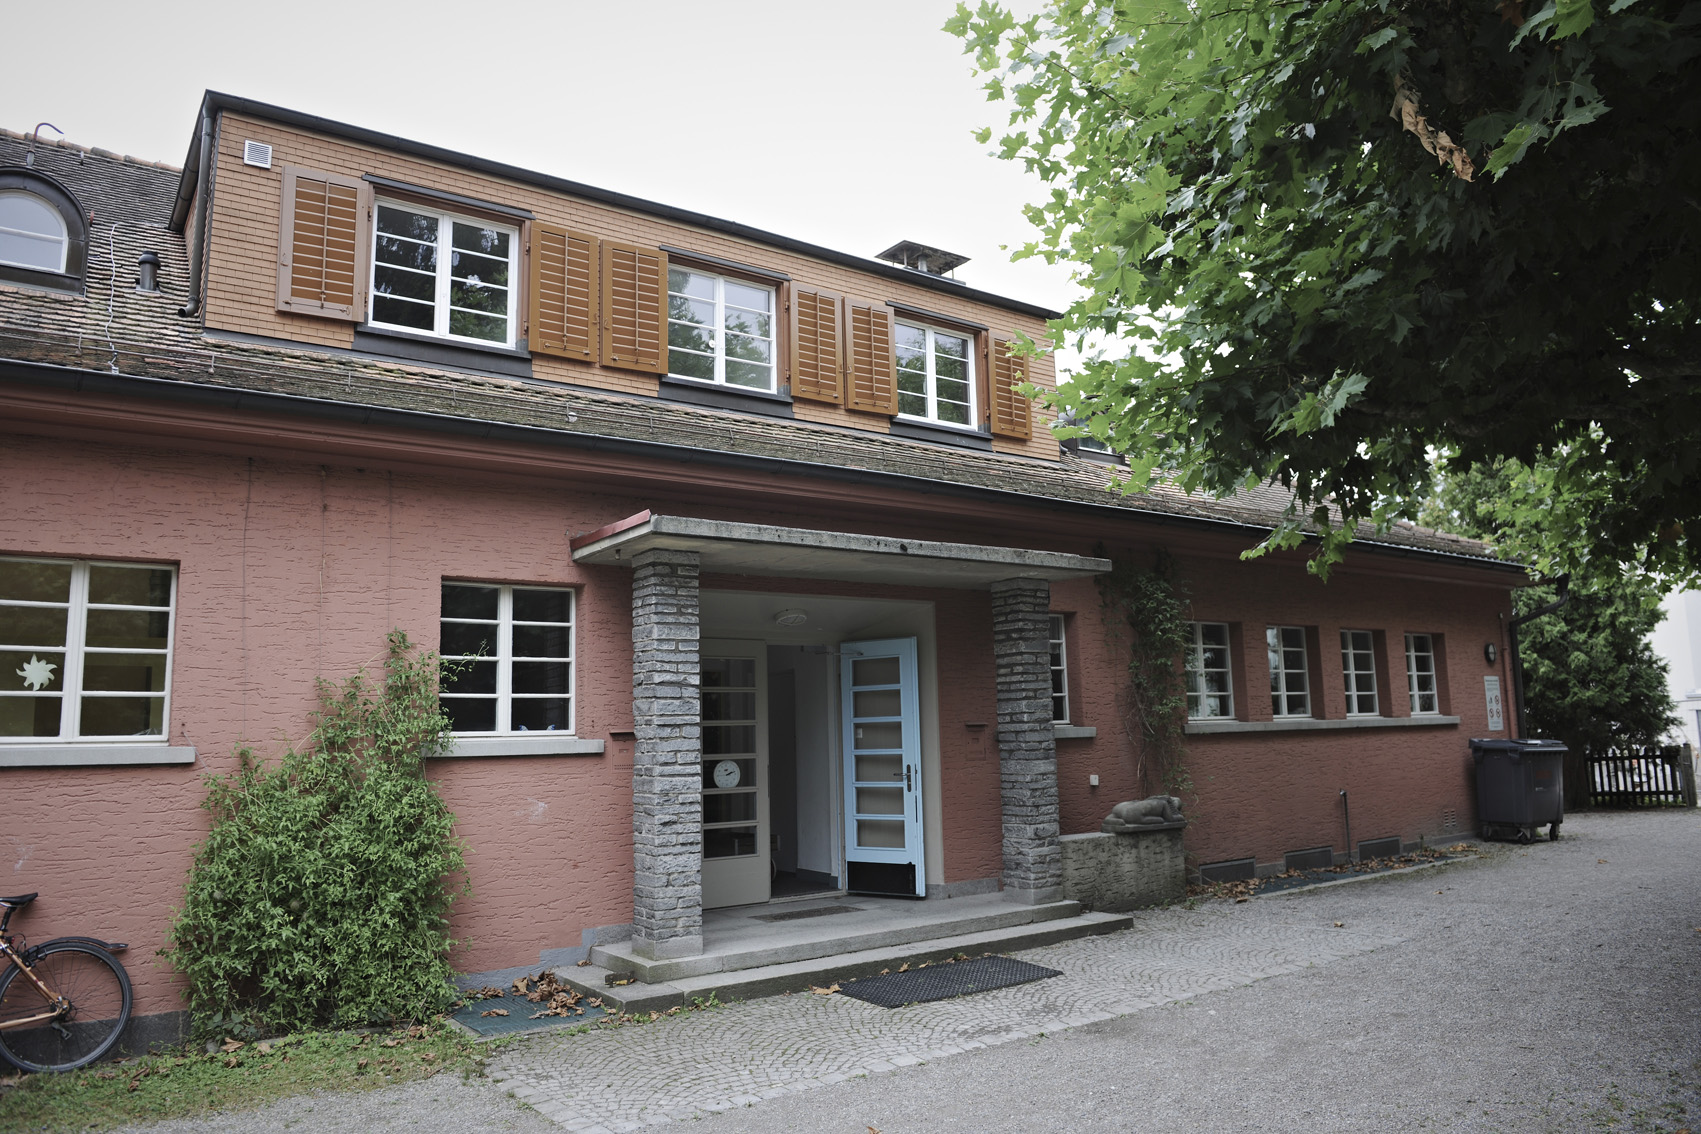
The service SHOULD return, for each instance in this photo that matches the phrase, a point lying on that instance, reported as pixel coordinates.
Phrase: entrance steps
(747, 955)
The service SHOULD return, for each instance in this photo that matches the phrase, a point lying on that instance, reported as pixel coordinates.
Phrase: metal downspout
(198, 241)
(1517, 663)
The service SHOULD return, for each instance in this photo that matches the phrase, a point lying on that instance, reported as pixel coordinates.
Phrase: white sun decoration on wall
(37, 674)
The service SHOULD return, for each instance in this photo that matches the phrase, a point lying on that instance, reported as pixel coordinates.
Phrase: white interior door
(734, 701)
(881, 711)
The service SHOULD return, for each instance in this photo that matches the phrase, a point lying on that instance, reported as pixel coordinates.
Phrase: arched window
(32, 233)
(43, 233)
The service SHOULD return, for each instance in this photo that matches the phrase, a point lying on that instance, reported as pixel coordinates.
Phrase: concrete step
(778, 944)
(822, 971)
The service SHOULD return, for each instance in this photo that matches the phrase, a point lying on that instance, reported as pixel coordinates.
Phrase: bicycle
(63, 1003)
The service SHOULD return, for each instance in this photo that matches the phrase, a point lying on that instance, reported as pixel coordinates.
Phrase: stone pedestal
(1124, 872)
(1027, 746)
(667, 795)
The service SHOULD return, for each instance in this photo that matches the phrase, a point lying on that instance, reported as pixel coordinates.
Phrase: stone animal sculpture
(1154, 814)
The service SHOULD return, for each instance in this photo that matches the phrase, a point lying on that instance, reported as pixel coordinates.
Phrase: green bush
(320, 896)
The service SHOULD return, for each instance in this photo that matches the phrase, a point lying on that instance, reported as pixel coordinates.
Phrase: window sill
(719, 396)
(1312, 724)
(1074, 732)
(60, 283)
(523, 744)
(510, 361)
(919, 430)
(92, 755)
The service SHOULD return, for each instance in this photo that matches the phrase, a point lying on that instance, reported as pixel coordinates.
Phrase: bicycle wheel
(99, 991)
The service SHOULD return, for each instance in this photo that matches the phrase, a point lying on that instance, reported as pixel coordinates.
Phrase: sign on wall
(1491, 693)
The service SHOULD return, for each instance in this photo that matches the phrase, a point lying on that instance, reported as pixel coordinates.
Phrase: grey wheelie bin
(1520, 786)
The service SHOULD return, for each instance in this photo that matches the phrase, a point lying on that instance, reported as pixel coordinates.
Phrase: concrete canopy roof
(802, 553)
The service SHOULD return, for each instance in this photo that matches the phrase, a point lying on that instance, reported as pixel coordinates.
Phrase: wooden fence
(1648, 777)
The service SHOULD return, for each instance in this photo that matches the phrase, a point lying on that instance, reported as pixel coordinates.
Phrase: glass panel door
(882, 746)
(734, 713)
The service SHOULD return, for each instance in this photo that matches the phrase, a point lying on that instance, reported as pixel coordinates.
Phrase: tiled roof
(117, 330)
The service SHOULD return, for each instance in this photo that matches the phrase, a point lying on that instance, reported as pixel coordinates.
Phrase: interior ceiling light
(791, 617)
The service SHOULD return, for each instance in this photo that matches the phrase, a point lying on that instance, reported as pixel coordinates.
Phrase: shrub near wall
(320, 896)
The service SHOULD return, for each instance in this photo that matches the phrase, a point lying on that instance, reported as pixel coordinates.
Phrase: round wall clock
(726, 773)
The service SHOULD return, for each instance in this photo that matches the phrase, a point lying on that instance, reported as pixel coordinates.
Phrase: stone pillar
(667, 778)
(1027, 744)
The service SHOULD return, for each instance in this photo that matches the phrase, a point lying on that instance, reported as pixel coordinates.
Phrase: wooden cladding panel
(1012, 414)
(817, 345)
(634, 307)
(323, 245)
(564, 307)
(870, 374)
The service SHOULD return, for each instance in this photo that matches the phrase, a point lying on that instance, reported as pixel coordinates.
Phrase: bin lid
(1516, 747)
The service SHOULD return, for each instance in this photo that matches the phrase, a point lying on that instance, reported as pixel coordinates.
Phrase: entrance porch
(702, 815)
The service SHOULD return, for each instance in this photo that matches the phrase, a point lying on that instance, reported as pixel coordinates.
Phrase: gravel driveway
(1549, 987)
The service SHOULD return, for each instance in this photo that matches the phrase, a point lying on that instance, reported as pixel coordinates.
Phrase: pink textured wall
(1261, 795)
(291, 569)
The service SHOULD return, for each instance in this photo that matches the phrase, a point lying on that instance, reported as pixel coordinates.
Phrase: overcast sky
(845, 125)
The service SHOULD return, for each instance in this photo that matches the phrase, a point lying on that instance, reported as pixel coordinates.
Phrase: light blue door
(882, 747)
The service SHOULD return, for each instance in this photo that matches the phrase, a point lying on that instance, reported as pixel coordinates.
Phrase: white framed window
(440, 274)
(936, 375)
(32, 233)
(719, 330)
(85, 649)
(1059, 671)
(508, 654)
(1358, 672)
(1420, 674)
(1290, 676)
(1210, 685)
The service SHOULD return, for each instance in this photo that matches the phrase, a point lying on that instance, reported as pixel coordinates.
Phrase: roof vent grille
(923, 258)
(257, 153)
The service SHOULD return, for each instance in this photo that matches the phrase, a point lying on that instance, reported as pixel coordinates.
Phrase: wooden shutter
(817, 345)
(1012, 414)
(324, 245)
(870, 375)
(634, 307)
(564, 293)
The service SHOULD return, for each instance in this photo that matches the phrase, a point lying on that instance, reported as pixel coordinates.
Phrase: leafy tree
(321, 895)
(1591, 678)
(1323, 242)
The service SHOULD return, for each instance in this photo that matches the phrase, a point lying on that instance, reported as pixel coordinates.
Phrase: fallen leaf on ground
(391, 1043)
(1243, 898)
(904, 968)
(828, 991)
(263, 1048)
(1340, 925)
(428, 1056)
(521, 986)
(495, 1012)
(584, 962)
(231, 1045)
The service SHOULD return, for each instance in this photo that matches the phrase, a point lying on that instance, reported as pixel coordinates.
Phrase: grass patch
(236, 1077)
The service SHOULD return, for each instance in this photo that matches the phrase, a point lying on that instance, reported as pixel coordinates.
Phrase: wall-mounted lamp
(1489, 652)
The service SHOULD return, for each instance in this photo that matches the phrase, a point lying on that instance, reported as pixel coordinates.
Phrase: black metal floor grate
(799, 915)
(942, 982)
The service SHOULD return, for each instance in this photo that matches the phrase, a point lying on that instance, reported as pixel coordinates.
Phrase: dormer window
(935, 375)
(32, 233)
(43, 236)
(445, 275)
(720, 330)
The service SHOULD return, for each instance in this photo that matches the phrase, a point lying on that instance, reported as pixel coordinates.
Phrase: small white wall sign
(1491, 693)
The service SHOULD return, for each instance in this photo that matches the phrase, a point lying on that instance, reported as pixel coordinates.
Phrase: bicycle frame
(57, 1003)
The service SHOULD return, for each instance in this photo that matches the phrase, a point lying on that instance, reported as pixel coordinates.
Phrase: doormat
(799, 915)
(513, 1011)
(942, 982)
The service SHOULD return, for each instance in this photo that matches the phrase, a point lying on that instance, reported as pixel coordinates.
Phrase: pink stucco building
(778, 587)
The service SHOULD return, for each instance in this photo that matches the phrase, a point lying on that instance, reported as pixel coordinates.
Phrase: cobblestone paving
(626, 1078)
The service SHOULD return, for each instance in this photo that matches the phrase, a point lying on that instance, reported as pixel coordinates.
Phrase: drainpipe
(1347, 813)
(198, 260)
(1516, 663)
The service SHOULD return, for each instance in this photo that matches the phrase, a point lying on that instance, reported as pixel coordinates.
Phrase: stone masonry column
(1027, 744)
(667, 777)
